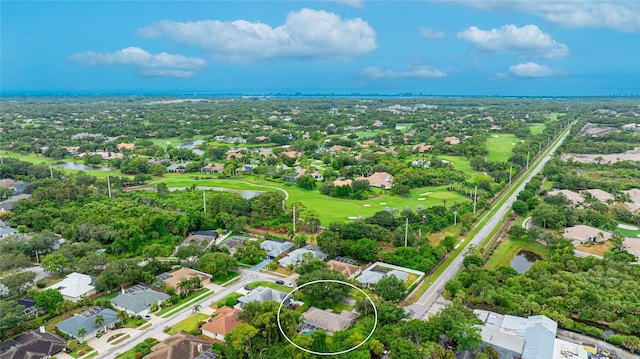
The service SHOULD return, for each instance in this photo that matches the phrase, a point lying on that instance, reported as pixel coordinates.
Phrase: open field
(597, 249)
(326, 206)
(460, 163)
(500, 146)
(172, 141)
(628, 232)
(188, 324)
(509, 248)
(32, 158)
(537, 128)
(366, 134)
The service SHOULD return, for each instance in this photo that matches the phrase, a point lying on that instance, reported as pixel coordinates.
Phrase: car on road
(279, 281)
(246, 287)
(146, 317)
(289, 284)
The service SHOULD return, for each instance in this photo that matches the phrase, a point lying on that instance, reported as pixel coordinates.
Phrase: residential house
(181, 346)
(581, 234)
(8, 204)
(275, 248)
(185, 273)
(634, 197)
(177, 167)
(339, 182)
(30, 306)
(87, 321)
(203, 238)
(74, 286)
(234, 242)
(34, 344)
(6, 231)
(218, 326)
(212, 168)
(232, 155)
(422, 148)
(348, 270)
(379, 179)
(573, 197)
(290, 154)
(138, 299)
(370, 277)
(298, 256)
(452, 140)
(327, 320)
(317, 176)
(126, 146)
(261, 295)
(600, 195)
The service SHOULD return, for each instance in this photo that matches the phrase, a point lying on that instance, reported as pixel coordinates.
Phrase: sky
(466, 47)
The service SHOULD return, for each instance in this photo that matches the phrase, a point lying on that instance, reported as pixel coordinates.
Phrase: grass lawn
(271, 285)
(366, 134)
(183, 302)
(324, 205)
(536, 128)
(222, 302)
(500, 146)
(629, 232)
(173, 141)
(32, 158)
(554, 115)
(188, 324)
(509, 248)
(223, 279)
(460, 163)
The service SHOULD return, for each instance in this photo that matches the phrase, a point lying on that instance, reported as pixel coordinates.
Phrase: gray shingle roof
(138, 301)
(274, 248)
(262, 294)
(86, 320)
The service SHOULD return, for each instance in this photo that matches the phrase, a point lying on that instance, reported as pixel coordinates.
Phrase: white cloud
(353, 3)
(618, 15)
(532, 70)
(528, 40)
(422, 71)
(305, 34)
(146, 64)
(431, 34)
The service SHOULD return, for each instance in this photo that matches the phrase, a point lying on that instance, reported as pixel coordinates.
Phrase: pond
(259, 148)
(524, 260)
(245, 193)
(80, 166)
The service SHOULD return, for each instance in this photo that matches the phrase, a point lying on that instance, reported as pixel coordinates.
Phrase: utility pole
(455, 217)
(109, 186)
(548, 139)
(510, 169)
(204, 202)
(50, 170)
(294, 219)
(527, 159)
(475, 200)
(406, 231)
(1, 161)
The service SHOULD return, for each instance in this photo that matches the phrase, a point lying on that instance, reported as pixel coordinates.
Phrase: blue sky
(479, 47)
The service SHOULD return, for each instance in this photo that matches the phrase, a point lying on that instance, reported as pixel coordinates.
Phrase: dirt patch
(597, 249)
(631, 155)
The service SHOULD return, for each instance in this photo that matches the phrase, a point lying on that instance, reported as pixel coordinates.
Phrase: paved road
(422, 305)
(248, 276)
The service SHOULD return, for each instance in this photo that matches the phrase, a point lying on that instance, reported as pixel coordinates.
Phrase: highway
(419, 309)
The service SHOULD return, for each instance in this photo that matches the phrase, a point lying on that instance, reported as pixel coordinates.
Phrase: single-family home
(232, 155)
(298, 256)
(581, 234)
(34, 344)
(262, 294)
(181, 346)
(87, 321)
(370, 277)
(317, 176)
(177, 167)
(225, 320)
(6, 231)
(234, 242)
(452, 140)
(600, 195)
(212, 168)
(74, 286)
(422, 148)
(30, 307)
(275, 248)
(344, 182)
(573, 197)
(172, 279)
(348, 270)
(380, 180)
(327, 320)
(138, 299)
(126, 146)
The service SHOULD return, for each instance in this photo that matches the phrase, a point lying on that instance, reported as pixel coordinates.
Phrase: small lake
(524, 260)
(259, 148)
(80, 166)
(245, 193)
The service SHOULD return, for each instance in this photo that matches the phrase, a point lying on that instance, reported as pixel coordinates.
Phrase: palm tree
(99, 321)
(81, 333)
(196, 309)
(122, 315)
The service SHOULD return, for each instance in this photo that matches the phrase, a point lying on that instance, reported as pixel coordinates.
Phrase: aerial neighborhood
(382, 228)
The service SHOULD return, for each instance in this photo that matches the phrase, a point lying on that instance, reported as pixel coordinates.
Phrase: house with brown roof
(34, 344)
(452, 140)
(185, 273)
(573, 197)
(600, 195)
(218, 326)
(232, 155)
(379, 179)
(422, 148)
(290, 154)
(348, 270)
(331, 322)
(179, 346)
(212, 168)
(126, 146)
(340, 182)
(580, 234)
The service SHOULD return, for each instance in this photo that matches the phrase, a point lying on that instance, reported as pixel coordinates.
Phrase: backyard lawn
(628, 230)
(188, 324)
(537, 128)
(500, 147)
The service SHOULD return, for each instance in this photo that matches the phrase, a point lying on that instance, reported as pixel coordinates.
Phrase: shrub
(231, 301)
(41, 283)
